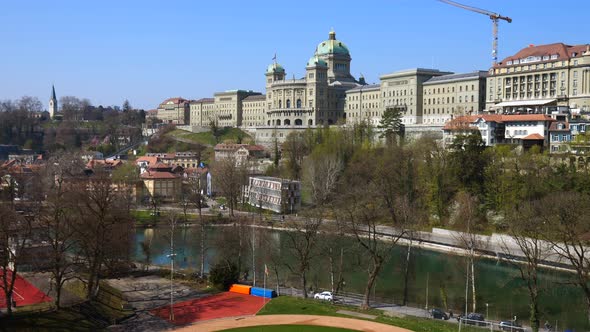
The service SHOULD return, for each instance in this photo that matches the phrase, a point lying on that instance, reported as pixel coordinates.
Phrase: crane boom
(493, 16)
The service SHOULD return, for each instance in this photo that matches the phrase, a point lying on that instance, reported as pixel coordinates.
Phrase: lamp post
(171, 256)
(487, 311)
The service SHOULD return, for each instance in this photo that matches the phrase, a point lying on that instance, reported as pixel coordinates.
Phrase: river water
(440, 275)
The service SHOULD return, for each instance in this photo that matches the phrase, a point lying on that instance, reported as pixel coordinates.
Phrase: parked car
(473, 319)
(324, 296)
(437, 313)
(510, 325)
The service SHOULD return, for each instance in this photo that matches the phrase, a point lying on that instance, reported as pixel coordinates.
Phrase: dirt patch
(347, 323)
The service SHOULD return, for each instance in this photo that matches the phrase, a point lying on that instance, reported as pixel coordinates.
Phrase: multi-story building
(174, 111)
(405, 89)
(364, 104)
(202, 112)
(539, 79)
(159, 181)
(254, 111)
(278, 195)
(523, 129)
(448, 96)
(240, 152)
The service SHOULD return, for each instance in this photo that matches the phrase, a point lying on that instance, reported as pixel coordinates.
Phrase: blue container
(263, 292)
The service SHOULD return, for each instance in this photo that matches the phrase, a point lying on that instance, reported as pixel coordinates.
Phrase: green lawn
(288, 328)
(292, 305)
(207, 138)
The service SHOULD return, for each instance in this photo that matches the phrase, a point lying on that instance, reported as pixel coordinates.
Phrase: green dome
(332, 46)
(315, 61)
(275, 68)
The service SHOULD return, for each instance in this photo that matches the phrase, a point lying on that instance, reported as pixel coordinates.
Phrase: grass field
(292, 305)
(207, 138)
(288, 328)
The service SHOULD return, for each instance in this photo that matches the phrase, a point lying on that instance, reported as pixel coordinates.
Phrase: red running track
(211, 307)
(24, 292)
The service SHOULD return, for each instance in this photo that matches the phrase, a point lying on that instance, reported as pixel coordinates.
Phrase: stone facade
(174, 111)
(448, 96)
(541, 79)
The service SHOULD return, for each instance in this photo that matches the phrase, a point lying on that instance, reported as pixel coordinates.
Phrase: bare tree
(196, 187)
(103, 226)
(527, 227)
(568, 231)
(302, 243)
(320, 176)
(467, 220)
(57, 218)
(15, 232)
(230, 178)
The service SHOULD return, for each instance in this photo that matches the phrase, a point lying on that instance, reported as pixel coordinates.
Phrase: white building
(276, 194)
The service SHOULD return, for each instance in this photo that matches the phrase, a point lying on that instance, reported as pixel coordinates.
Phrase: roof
(158, 175)
(563, 52)
(331, 46)
(149, 160)
(534, 137)
(275, 68)
(525, 102)
(457, 77)
(103, 162)
(233, 147)
(366, 87)
(526, 117)
(203, 100)
(465, 122)
(176, 100)
(255, 98)
(553, 126)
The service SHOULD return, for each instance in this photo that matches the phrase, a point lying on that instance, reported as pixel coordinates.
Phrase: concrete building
(448, 96)
(364, 104)
(160, 181)
(174, 111)
(254, 111)
(541, 79)
(202, 112)
(240, 152)
(278, 195)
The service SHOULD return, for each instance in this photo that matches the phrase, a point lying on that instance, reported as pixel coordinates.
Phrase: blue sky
(146, 51)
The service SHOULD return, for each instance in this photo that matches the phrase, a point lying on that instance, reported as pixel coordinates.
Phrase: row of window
(430, 91)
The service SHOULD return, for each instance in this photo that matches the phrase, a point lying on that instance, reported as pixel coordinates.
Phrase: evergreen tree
(391, 124)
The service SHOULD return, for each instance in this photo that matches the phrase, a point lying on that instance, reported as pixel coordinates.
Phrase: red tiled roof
(526, 117)
(465, 122)
(534, 137)
(564, 52)
(255, 148)
(158, 175)
(204, 100)
(149, 160)
(177, 100)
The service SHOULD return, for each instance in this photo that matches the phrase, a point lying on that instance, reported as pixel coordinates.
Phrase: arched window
(298, 122)
(310, 122)
(287, 122)
(288, 103)
(280, 104)
(298, 103)
(269, 122)
(278, 122)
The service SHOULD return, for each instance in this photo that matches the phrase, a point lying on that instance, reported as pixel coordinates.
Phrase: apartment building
(275, 194)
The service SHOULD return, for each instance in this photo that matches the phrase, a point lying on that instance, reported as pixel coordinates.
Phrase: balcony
(290, 111)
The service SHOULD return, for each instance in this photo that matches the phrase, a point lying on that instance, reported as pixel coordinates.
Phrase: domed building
(316, 99)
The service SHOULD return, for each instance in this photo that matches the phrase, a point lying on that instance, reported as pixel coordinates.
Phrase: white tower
(52, 103)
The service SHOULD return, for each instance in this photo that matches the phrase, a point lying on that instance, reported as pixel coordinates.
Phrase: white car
(324, 296)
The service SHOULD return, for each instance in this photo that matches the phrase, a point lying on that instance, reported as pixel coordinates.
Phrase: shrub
(223, 274)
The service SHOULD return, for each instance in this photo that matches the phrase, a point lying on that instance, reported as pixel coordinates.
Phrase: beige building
(159, 181)
(364, 104)
(448, 96)
(540, 79)
(404, 89)
(226, 108)
(254, 111)
(202, 112)
(174, 111)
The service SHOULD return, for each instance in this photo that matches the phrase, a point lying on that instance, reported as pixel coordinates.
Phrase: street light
(487, 311)
(171, 256)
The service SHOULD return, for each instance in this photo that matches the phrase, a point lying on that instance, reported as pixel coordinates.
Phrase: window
(280, 103)
(298, 103)
(575, 74)
(575, 62)
(310, 75)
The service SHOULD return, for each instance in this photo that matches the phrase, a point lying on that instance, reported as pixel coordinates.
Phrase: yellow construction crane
(493, 16)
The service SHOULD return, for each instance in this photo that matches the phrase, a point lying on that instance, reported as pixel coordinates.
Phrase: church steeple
(52, 103)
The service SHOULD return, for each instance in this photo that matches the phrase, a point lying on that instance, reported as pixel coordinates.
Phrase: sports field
(24, 293)
(212, 307)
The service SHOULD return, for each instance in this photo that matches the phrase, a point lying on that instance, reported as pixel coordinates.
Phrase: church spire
(52, 103)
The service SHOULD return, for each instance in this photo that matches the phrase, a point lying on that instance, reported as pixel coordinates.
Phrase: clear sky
(146, 51)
